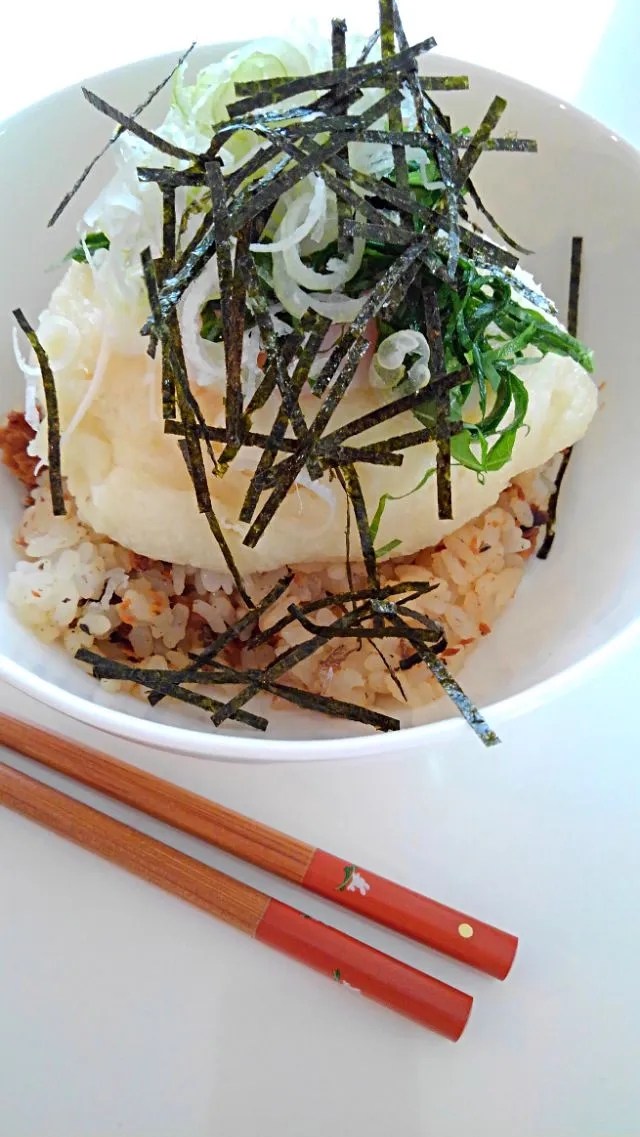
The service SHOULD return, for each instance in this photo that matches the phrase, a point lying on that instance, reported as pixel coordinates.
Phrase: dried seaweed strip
(306, 161)
(327, 705)
(264, 92)
(191, 264)
(237, 179)
(481, 207)
(335, 708)
(388, 51)
(339, 63)
(420, 141)
(168, 257)
(160, 681)
(274, 502)
(119, 132)
(427, 83)
(385, 192)
(445, 151)
(167, 176)
(130, 124)
(328, 458)
(388, 232)
(190, 444)
(574, 286)
(479, 139)
(53, 417)
(192, 455)
(406, 403)
(395, 631)
(375, 452)
(414, 589)
(290, 389)
(368, 47)
(233, 632)
(270, 190)
(232, 297)
(463, 703)
(281, 357)
(552, 508)
(433, 333)
(538, 299)
(356, 499)
(224, 674)
(356, 348)
(572, 328)
(280, 666)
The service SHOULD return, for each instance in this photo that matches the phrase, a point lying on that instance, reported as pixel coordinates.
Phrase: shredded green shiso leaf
(230, 169)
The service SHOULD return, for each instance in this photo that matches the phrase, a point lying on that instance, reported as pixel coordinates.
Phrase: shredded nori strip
(163, 682)
(129, 123)
(167, 176)
(263, 92)
(233, 632)
(453, 689)
(574, 286)
(138, 111)
(232, 300)
(339, 62)
(433, 333)
(445, 152)
(424, 141)
(552, 508)
(399, 406)
(479, 204)
(388, 51)
(480, 138)
(368, 47)
(357, 502)
(572, 328)
(53, 418)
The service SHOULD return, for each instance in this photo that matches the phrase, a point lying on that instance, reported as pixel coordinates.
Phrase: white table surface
(124, 1011)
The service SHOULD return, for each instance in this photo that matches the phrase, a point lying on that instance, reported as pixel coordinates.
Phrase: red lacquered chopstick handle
(444, 929)
(366, 971)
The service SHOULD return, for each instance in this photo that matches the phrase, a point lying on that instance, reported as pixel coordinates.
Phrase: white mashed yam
(129, 480)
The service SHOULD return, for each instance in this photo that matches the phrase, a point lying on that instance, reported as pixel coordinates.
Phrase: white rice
(76, 588)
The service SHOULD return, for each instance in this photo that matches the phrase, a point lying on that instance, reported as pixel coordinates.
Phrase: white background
(123, 1011)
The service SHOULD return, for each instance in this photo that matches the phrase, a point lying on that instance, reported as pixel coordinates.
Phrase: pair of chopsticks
(413, 993)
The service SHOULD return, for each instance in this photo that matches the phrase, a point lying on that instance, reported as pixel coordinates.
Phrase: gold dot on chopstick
(465, 930)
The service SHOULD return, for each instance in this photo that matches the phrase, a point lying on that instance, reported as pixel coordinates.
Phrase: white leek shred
(205, 360)
(387, 367)
(93, 388)
(316, 212)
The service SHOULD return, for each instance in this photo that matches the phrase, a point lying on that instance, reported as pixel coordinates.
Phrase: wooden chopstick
(436, 925)
(388, 981)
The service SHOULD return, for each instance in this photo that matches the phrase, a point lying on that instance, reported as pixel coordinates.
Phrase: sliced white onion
(94, 386)
(318, 487)
(48, 325)
(205, 360)
(326, 494)
(316, 208)
(31, 412)
(342, 271)
(387, 366)
(339, 308)
(27, 369)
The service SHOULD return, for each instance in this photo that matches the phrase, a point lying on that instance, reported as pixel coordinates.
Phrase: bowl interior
(583, 181)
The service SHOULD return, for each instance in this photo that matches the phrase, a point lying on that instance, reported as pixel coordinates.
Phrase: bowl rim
(201, 743)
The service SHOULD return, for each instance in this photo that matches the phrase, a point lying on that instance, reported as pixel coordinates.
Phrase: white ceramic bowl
(571, 612)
